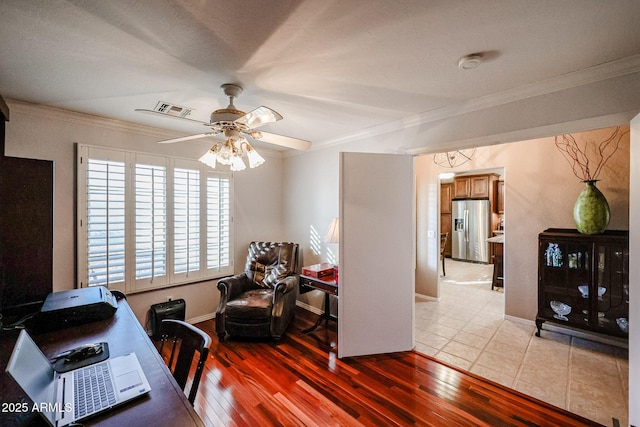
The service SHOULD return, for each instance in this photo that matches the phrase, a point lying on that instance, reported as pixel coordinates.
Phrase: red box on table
(319, 271)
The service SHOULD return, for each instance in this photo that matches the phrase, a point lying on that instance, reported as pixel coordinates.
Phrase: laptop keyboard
(93, 389)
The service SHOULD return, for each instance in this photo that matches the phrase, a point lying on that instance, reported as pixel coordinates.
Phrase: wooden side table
(326, 285)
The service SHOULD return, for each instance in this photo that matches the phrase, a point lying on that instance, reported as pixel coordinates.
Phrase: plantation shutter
(218, 221)
(186, 220)
(150, 221)
(105, 222)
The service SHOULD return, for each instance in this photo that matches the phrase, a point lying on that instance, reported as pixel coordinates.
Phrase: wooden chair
(186, 339)
(443, 244)
(498, 279)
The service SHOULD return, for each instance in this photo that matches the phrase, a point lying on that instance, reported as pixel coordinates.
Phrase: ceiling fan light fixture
(237, 164)
(210, 157)
(226, 154)
(234, 124)
(255, 159)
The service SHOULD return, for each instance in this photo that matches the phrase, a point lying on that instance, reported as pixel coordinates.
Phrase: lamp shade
(209, 158)
(255, 159)
(333, 232)
(237, 164)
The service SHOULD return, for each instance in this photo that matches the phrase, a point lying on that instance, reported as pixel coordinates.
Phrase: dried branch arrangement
(578, 157)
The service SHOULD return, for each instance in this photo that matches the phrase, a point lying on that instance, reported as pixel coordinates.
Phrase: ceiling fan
(236, 125)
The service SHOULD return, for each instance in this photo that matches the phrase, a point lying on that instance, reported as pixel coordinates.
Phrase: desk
(329, 287)
(165, 405)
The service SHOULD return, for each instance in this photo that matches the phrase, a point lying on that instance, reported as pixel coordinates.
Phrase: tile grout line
(567, 396)
(621, 377)
(521, 367)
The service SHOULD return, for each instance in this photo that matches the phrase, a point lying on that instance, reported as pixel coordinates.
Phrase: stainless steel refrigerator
(470, 230)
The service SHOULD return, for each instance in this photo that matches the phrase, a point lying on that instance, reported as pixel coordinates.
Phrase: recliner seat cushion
(254, 304)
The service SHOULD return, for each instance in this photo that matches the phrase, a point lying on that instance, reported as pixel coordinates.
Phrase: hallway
(467, 329)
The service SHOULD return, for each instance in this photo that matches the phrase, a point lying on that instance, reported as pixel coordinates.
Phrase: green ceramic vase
(591, 211)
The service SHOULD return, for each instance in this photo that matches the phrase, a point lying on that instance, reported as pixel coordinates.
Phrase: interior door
(377, 254)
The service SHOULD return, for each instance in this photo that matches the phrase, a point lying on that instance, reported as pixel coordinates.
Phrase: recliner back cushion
(270, 262)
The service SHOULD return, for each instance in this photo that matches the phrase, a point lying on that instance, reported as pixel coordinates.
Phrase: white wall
(48, 133)
(634, 275)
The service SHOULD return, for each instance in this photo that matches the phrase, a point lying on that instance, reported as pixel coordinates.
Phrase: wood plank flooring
(301, 382)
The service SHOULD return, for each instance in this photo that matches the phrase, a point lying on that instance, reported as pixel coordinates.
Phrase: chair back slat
(185, 340)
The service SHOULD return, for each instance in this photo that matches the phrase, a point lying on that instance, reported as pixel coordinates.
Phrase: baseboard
(310, 308)
(520, 320)
(202, 318)
(426, 297)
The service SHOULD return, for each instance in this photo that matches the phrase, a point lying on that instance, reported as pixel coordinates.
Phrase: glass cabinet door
(565, 273)
(612, 284)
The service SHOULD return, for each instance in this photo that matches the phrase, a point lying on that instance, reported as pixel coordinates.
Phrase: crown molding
(74, 117)
(590, 75)
(69, 116)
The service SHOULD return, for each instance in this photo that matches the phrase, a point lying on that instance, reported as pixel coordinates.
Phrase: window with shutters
(148, 221)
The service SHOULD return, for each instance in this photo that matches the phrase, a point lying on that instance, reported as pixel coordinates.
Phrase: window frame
(132, 158)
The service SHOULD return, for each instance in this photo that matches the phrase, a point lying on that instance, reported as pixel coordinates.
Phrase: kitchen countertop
(496, 239)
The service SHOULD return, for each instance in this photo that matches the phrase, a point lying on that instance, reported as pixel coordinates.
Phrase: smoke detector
(468, 62)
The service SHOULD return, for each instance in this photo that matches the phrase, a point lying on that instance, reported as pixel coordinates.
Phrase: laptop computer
(64, 398)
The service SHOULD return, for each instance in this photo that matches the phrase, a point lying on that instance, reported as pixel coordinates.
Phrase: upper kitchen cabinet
(445, 198)
(474, 186)
(499, 195)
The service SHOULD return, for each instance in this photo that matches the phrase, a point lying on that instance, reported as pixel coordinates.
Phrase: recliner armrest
(286, 285)
(232, 286)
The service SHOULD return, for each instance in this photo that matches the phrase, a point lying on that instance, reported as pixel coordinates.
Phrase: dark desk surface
(165, 405)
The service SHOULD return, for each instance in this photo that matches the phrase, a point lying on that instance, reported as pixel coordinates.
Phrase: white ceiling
(331, 68)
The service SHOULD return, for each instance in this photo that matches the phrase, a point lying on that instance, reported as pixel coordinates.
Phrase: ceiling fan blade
(285, 141)
(258, 117)
(157, 113)
(187, 138)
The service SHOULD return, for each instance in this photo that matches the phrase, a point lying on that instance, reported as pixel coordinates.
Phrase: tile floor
(467, 329)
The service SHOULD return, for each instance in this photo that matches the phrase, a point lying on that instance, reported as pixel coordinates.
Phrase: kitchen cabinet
(446, 193)
(474, 186)
(499, 195)
(446, 190)
(481, 186)
(583, 281)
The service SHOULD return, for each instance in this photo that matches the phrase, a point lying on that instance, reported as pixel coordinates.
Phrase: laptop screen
(32, 371)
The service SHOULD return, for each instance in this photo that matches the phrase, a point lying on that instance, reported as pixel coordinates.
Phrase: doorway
(472, 223)
(469, 304)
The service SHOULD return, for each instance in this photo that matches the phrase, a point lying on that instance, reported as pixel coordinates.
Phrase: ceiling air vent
(172, 110)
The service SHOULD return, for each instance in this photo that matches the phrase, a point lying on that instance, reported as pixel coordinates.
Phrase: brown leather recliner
(260, 302)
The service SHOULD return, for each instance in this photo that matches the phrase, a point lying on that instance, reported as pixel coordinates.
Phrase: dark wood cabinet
(461, 187)
(499, 196)
(583, 281)
(26, 232)
(446, 195)
(481, 186)
(446, 191)
(474, 186)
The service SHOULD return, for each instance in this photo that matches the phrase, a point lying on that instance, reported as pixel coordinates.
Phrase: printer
(76, 306)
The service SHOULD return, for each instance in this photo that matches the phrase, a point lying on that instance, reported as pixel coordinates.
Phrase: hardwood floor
(301, 382)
